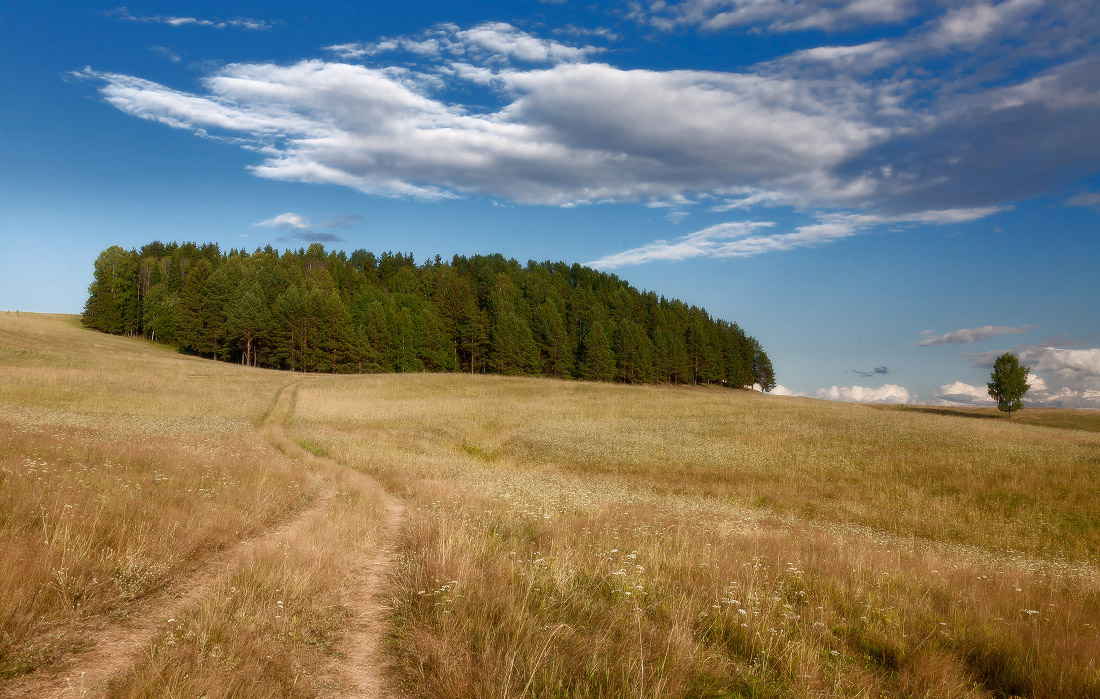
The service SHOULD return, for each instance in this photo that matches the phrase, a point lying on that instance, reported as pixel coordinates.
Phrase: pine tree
(246, 322)
(598, 361)
(190, 318)
(313, 310)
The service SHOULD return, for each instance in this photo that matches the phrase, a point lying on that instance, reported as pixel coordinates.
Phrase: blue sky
(886, 193)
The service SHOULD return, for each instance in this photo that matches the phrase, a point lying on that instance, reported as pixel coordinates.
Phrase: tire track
(116, 646)
(363, 669)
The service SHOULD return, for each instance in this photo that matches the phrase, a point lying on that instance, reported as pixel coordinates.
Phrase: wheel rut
(362, 671)
(116, 646)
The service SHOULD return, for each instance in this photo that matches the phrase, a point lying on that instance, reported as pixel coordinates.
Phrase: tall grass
(560, 539)
(118, 474)
(624, 541)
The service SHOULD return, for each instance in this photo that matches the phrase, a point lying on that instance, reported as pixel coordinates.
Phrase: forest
(325, 311)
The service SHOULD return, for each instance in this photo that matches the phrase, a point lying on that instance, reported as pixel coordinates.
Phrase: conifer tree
(313, 310)
(246, 322)
(598, 362)
(191, 321)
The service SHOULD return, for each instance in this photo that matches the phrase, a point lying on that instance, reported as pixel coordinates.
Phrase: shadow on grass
(952, 412)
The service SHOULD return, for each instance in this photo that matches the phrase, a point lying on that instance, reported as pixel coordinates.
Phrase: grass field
(558, 538)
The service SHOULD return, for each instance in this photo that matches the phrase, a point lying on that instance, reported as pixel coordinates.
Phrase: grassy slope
(1087, 420)
(579, 539)
(124, 468)
(562, 539)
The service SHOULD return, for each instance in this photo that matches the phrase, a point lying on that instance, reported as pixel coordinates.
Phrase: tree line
(326, 311)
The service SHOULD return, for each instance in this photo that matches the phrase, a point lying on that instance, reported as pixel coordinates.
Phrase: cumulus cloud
(248, 23)
(782, 391)
(1061, 377)
(967, 335)
(962, 394)
(1080, 366)
(1064, 397)
(890, 393)
(1039, 395)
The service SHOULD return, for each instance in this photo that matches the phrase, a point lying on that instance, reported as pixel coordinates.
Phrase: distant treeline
(320, 311)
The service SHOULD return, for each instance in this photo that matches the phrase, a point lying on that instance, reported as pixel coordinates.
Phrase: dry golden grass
(119, 472)
(281, 621)
(1088, 420)
(560, 539)
(570, 539)
(124, 470)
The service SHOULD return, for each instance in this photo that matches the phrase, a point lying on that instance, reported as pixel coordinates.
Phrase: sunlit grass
(560, 538)
(118, 472)
(626, 541)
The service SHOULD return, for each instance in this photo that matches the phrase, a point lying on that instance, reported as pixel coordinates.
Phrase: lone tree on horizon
(1008, 383)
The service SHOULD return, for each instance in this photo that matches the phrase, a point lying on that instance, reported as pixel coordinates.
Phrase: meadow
(451, 535)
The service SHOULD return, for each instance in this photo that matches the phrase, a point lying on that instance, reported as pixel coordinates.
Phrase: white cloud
(1065, 398)
(1075, 372)
(1081, 366)
(872, 151)
(959, 393)
(1038, 395)
(1089, 200)
(970, 23)
(744, 239)
(890, 393)
(287, 220)
(781, 391)
(967, 335)
(167, 53)
(486, 42)
(237, 23)
(1060, 377)
(574, 133)
(773, 15)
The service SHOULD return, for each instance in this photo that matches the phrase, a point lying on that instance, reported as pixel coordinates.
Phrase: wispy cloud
(772, 15)
(488, 42)
(1088, 200)
(968, 335)
(167, 53)
(745, 238)
(288, 220)
(123, 13)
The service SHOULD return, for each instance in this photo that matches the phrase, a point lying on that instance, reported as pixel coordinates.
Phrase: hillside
(226, 530)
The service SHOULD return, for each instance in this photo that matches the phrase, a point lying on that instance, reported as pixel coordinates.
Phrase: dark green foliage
(114, 304)
(1008, 383)
(319, 311)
